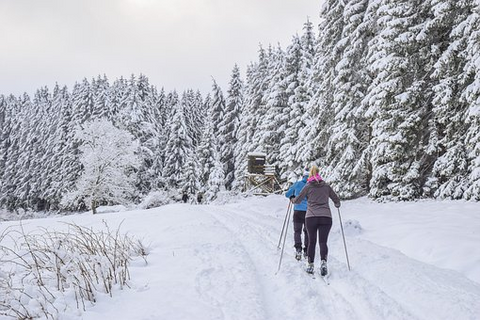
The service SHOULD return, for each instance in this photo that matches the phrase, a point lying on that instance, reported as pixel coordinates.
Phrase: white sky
(177, 44)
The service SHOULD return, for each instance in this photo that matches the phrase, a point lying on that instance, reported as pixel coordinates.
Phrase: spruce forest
(382, 95)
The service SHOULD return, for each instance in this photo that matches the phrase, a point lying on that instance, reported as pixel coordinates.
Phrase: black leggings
(322, 225)
(298, 225)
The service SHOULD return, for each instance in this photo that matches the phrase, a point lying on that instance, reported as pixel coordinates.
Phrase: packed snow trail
(219, 262)
(226, 257)
(320, 299)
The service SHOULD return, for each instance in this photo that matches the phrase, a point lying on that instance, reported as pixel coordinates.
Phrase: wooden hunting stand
(260, 178)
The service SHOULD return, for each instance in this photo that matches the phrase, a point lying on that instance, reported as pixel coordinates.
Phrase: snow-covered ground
(415, 260)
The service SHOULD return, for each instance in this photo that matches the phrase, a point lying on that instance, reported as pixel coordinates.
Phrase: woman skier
(318, 217)
(299, 216)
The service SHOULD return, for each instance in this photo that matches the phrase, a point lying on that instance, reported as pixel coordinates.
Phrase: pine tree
(101, 102)
(192, 104)
(82, 102)
(139, 119)
(255, 88)
(64, 165)
(299, 120)
(347, 169)
(229, 125)
(10, 151)
(3, 135)
(26, 180)
(397, 102)
(315, 136)
(158, 103)
(471, 96)
(251, 113)
(220, 126)
(206, 150)
(178, 148)
(447, 126)
(216, 182)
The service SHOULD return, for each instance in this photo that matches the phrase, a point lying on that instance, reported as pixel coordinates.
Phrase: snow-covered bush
(108, 209)
(223, 197)
(155, 199)
(44, 273)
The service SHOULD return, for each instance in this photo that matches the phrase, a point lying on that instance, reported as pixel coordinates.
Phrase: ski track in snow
(223, 283)
(317, 299)
(385, 284)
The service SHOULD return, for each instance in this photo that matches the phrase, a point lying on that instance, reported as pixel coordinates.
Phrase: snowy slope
(416, 260)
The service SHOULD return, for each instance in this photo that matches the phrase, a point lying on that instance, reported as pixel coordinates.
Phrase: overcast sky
(177, 44)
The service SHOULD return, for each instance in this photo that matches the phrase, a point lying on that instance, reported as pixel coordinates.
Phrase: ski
(325, 279)
(312, 275)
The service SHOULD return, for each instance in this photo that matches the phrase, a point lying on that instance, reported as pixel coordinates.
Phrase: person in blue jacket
(299, 216)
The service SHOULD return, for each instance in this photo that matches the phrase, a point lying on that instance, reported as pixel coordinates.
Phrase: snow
(410, 260)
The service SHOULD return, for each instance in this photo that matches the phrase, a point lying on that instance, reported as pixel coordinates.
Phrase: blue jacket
(295, 191)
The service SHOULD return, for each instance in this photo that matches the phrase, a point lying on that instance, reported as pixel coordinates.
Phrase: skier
(185, 197)
(299, 216)
(318, 217)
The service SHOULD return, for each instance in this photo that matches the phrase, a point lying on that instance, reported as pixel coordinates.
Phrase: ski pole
(343, 236)
(284, 238)
(284, 222)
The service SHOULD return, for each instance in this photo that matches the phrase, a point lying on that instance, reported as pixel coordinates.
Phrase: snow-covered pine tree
(191, 178)
(243, 136)
(206, 149)
(254, 110)
(101, 103)
(216, 177)
(48, 156)
(158, 103)
(314, 137)
(347, 169)
(139, 119)
(265, 136)
(64, 166)
(229, 126)
(178, 148)
(82, 102)
(299, 118)
(305, 90)
(397, 101)
(10, 151)
(218, 106)
(471, 96)
(115, 98)
(3, 135)
(250, 114)
(26, 181)
(220, 127)
(166, 113)
(193, 114)
(447, 126)
(292, 113)
(110, 161)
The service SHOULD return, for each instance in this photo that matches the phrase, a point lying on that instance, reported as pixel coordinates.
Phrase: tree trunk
(94, 206)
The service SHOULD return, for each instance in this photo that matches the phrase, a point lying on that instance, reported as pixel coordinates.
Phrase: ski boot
(298, 255)
(323, 268)
(309, 268)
